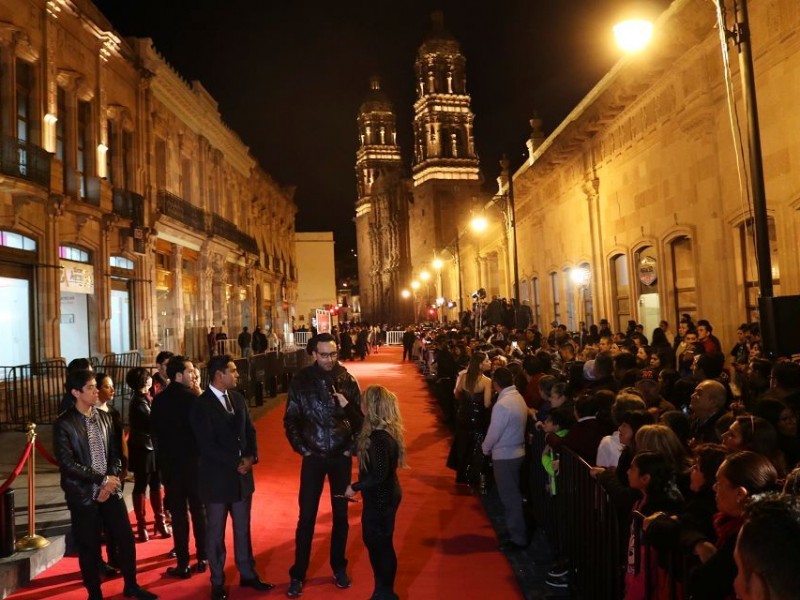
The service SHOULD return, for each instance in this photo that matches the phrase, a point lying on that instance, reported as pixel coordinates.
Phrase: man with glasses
(322, 419)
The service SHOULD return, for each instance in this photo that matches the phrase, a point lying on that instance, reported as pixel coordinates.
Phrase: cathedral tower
(381, 210)
(445, 168)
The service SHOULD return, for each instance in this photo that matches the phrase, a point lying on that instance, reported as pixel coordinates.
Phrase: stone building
(131, 217)
(633, 208)
(403, 223)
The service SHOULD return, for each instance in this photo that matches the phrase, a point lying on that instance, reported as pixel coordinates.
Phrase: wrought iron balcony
(24, 160)
(129, 205)
(179, 209)
(228, 230)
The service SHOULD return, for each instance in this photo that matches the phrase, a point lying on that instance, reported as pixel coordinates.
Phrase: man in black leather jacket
(90, 467)
(322, 419)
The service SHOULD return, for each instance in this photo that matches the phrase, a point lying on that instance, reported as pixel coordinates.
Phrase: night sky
(289, 76)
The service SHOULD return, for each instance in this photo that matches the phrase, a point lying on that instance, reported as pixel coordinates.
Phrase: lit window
(74, 254)
(10, 239)
(120, 262)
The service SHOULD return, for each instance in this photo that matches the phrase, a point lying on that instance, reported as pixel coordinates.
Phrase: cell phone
(514, 345)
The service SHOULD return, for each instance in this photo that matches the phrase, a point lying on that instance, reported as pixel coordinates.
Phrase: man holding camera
(322, 419)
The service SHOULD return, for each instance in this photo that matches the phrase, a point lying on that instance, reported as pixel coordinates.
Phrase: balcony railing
(228, 230)
(24, 160)
(179, 209)
(129, 205)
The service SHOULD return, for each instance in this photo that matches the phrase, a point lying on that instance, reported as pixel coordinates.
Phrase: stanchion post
(32, 541)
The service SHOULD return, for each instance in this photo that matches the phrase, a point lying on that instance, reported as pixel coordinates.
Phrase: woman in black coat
(142, 456)
(380, 452)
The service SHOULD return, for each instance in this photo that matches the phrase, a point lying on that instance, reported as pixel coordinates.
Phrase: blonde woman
(380, 452)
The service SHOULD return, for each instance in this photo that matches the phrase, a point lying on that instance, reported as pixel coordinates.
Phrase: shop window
(120, 262)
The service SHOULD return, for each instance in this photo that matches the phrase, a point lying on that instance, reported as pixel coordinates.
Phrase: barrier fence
(394, 338)
(583, 527)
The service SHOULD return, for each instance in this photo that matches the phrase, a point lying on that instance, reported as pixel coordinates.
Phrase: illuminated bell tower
(381, 209)
(445, 168)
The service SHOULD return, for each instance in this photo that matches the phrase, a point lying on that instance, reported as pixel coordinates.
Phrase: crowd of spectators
(684, 436)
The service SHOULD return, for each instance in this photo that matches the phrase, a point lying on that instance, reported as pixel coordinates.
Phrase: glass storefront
(15, 321)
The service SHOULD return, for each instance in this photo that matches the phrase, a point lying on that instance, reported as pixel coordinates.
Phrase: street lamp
(740, 34)
(479, 224)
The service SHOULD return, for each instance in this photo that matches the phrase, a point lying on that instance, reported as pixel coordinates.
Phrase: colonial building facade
(633, 207)
(404, 224)
(131, 216)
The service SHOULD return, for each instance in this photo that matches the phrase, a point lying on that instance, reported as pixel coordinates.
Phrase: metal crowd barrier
(394, 338)
(117, 367)
(584, 527)
(31, 393)
(581, 522)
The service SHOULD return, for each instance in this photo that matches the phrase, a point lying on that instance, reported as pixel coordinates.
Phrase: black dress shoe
(218, 593)
(201, 566)
(134, 591)
(256, 584)
(179, 572)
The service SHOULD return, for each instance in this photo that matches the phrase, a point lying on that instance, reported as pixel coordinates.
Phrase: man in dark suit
(226, 443)
(176, 451)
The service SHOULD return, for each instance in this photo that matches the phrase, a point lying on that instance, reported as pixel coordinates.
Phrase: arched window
(683, 277)
(620, 291)
(120, 262)
(74, 254)
(748, 266)
(9, 239)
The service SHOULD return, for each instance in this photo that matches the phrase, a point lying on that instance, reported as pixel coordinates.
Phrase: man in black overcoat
(226, 443)
(176, 453)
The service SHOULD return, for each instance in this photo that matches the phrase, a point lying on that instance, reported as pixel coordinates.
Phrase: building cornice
(195, 107)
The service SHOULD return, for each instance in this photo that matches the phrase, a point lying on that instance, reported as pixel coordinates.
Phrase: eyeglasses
(328, 355)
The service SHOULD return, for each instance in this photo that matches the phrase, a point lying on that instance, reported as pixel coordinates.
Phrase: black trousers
(181, 497)
(407, 351)
(86, 524)
(377, 528)
(338, 470)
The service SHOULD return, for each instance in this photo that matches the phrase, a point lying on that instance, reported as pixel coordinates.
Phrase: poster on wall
(323, 321)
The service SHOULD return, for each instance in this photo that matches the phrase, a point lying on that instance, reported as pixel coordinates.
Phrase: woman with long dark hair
(381, 451)
(143, 457)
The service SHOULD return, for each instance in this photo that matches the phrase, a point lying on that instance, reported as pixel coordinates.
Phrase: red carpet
(445, 544)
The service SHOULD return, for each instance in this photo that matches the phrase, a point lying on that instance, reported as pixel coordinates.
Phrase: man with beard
(322, 419)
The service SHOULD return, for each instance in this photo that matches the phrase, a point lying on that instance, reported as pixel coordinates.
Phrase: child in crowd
(653, 475)
(558, 422)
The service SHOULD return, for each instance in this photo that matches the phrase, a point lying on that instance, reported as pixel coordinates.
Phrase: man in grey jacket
(505, 442)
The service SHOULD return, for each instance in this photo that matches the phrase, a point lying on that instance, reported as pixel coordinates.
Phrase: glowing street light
(580, 276)
(405, 294)
(415, 285)
(479, 224)
(633, 35)
(425, 276)
(437, 263)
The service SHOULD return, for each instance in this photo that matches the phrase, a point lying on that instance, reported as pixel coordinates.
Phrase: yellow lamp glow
(405, 294)
(479, 224)
(437, 263)
(633, 35)
(425, 276)
(415, 285)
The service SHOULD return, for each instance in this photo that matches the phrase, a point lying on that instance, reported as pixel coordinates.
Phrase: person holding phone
(322, 420)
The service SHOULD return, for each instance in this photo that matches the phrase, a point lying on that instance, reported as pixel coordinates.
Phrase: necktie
(228, 405)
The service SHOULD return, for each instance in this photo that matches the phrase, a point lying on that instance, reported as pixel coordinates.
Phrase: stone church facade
(403, 224)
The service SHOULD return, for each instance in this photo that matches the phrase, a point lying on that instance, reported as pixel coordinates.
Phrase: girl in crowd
(653, 476)
(740, 476)
(143, 456)
(474, 397)
(783, 419)
(380, 452)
